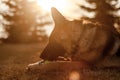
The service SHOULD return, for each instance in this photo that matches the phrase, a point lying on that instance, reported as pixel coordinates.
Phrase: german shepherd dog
(80, 40)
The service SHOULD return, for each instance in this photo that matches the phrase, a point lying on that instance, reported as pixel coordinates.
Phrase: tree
(25, 17)
(4, 11)
(104, 11)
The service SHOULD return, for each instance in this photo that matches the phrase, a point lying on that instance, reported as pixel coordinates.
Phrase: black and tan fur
(80, 40)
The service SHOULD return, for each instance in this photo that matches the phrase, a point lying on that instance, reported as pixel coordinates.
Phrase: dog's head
(63, 30)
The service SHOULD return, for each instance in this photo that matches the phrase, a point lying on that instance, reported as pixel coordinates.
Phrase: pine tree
(4, 23)
(104, 11)
(24, 18)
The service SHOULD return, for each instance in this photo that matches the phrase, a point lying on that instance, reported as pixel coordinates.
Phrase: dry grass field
(15, 57)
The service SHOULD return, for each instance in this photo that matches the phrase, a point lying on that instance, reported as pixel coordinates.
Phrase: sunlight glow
(47, 4)
(74, 76)
(70, 9)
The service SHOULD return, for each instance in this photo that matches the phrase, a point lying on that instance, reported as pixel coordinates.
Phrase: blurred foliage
(4, 10)
(105, 12)
(24, 22)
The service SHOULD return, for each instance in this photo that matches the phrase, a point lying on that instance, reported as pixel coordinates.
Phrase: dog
(80, 40)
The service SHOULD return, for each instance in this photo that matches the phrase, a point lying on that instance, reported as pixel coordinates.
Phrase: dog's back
(94, 43)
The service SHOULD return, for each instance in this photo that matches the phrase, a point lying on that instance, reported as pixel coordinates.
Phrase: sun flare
(47, 4)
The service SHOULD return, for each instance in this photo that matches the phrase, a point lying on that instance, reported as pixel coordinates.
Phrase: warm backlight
(47, 4)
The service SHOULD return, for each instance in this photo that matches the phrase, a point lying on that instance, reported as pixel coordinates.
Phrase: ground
(14, 59)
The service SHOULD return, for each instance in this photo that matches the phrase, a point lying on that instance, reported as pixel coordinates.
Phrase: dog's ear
(57, 16)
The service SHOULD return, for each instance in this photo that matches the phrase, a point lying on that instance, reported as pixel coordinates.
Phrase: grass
(15, 57)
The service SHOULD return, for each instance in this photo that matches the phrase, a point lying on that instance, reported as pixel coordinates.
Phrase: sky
(69, 8)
